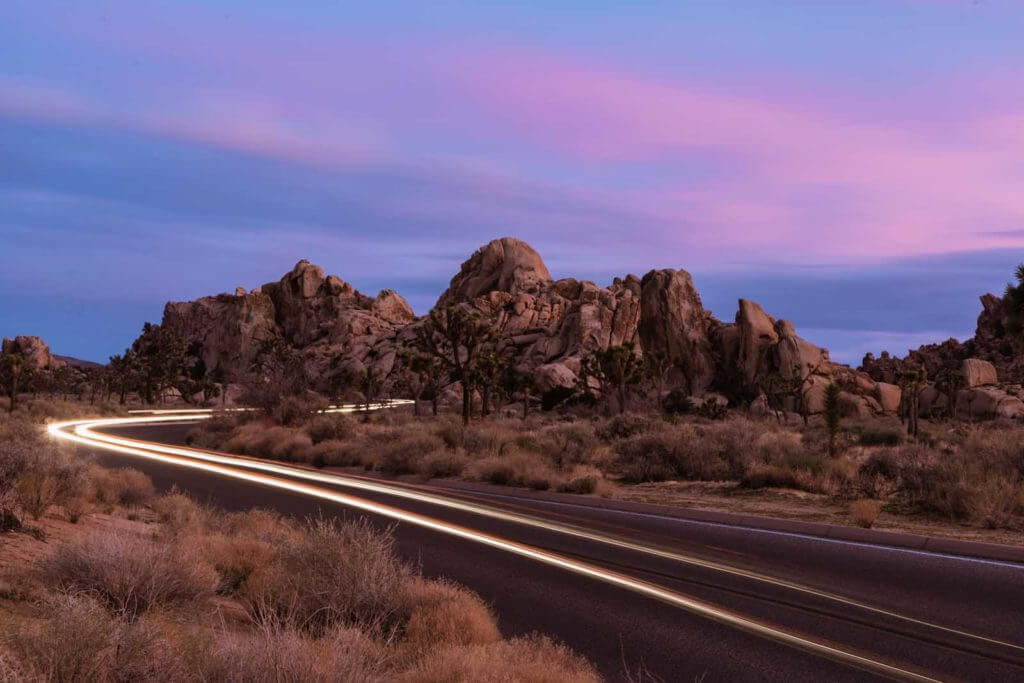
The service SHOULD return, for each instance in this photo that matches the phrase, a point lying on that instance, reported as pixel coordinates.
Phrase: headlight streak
(86, 430)
(83, 435)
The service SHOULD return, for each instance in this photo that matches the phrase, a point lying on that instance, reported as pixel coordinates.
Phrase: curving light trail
(81, 432)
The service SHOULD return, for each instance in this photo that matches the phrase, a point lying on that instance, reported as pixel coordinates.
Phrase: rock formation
(33, 351)
(546, 326)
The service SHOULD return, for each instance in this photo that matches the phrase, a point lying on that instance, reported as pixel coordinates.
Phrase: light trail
(81, 434)
(86, 430)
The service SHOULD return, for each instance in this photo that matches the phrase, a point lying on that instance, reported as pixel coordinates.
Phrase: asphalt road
(942, 616)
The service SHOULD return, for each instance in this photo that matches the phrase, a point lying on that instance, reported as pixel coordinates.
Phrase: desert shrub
(342, 655)
(532, 659)
(293, 411)
(864, 512)
(178, 512)
(648, 457)
(568, 444)
(486, 439)
(78, 640)
(444, 614)
(880, 437)
(212, 433)
(120, 486)
(330, 427)
(335, 574)
(49, 476)
(514, 469)
(443, 463)
(451, 433)
(402, 452)
(129, 573)
(295, 447)
(623, 426)
(581, 485)
(677, 402)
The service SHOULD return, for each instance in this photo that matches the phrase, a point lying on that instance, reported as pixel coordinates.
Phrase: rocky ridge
(546, 326)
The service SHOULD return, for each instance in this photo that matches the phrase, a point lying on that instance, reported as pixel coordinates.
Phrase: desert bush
(402, 454)
(443, 463)
(569, 444)
(178, 512)
(335, 574)
(532, 659)
(120, 486)
(49, 476)
(292, 411)
(515, 469)
(129, 573)
(212, 433)
(581, 485)
(623, 426)
(444, 614)
(330, 427)
(282, 654)
(880, 437)
(15, 456)
(452, 433)
(78, 640)
(864, 512)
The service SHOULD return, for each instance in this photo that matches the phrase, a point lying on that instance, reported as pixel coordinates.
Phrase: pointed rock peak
(391, 306)
(304, 279)
(506, 264)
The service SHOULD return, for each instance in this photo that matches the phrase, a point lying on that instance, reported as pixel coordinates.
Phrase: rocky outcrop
(977, 373)
(504, 265)
(33, 351)
(543, 325)
(674, 324)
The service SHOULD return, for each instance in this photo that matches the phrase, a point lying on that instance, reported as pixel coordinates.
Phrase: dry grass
(129, 573)
(534, 659)
(865, 511)
(335, 574)
(339, 656)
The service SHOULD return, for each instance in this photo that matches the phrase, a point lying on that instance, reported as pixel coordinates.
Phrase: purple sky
(855, 166)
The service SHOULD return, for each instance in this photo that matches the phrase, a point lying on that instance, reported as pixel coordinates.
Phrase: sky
(856, 167)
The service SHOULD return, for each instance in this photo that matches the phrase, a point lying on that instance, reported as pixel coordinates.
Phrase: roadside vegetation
(102, 580)
(970, 474)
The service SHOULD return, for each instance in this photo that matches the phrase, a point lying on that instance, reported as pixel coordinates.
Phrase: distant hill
(78, 362)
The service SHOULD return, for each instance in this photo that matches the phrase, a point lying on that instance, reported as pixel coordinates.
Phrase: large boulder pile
(546, 326)
(33, 351)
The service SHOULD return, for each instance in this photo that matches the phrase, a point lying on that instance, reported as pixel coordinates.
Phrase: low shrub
(444, 614)
(864, 512)
(880, 437)
(130, 574)
(330, 427)
(120, 486)
(334, 574)
(532, 659)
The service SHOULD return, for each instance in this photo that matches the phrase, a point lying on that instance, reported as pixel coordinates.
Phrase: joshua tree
(12, 367)
(487, 374)
(913, 381)
(522, 383)
(123, 367)
(832, 415)
(656, 366)
(1013, 302)
(455, 336)
(427, 377)
(615, 368)
(949, 381)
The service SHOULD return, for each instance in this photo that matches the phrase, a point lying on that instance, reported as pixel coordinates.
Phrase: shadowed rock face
(673, 323)
(544, 325)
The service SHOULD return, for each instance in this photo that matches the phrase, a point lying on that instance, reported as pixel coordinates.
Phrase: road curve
(631, 590)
